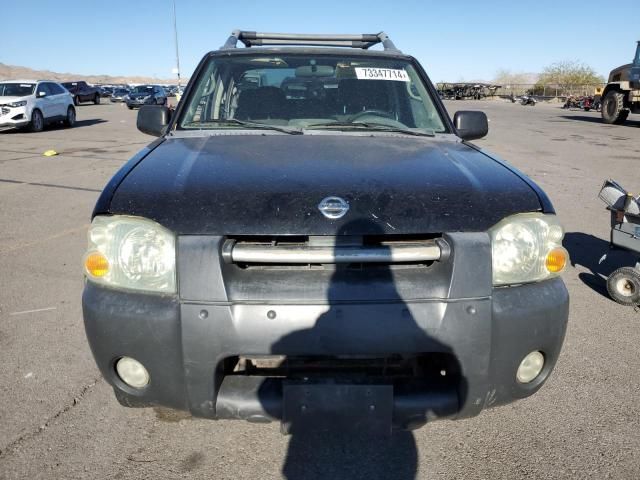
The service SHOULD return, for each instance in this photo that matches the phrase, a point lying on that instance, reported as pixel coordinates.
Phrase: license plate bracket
(321, 406)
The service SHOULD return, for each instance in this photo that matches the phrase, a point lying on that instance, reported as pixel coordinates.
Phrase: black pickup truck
(82, 92)
(312, 240)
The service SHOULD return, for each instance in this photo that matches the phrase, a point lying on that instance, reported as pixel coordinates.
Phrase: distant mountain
(11, 72)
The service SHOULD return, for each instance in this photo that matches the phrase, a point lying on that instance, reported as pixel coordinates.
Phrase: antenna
(175, 32)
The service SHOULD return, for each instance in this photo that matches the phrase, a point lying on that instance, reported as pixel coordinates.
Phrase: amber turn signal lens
(96, 264)
(556, 260)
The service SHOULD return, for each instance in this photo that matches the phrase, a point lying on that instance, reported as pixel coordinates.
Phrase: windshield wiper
(381, 127)
(242, 123)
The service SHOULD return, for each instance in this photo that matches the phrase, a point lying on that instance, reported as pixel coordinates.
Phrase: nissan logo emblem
(333, 207)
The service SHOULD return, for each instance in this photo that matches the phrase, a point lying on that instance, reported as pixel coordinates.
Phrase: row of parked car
(35, 103)
(111, 91)
(132, 96)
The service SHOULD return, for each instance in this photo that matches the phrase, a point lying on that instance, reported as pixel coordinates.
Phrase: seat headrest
(263, 102)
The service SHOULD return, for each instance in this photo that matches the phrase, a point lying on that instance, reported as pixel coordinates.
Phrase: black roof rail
(258, 39)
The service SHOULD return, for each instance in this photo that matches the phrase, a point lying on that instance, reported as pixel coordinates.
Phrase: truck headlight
(527, 248)
(131, 252)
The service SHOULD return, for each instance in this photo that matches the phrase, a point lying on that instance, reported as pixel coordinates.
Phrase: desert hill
(11, 72)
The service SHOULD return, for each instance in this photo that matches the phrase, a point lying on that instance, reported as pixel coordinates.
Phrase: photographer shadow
(337, 447)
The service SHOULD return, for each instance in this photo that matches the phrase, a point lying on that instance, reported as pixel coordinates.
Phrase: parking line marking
(24, 312)
(51, 185)
(45, 239)
(7, 160)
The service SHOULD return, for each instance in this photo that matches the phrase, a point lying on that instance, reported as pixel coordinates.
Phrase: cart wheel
(624, 286)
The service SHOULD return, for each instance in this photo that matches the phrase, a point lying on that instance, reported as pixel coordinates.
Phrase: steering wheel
(378, 113)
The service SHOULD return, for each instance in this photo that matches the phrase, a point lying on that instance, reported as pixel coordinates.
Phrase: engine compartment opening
(430, 367)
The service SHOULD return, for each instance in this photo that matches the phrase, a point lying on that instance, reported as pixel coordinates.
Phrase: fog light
(132, 372)
(530, 367)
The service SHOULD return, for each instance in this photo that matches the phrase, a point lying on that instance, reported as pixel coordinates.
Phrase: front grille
(325, 250)
(5, 110)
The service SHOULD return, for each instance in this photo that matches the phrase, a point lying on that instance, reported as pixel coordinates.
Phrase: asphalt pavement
(59, 419)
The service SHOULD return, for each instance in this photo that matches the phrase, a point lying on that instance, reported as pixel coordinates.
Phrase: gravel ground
(59, 419)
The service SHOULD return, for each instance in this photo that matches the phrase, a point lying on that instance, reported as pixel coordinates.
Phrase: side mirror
(471, 125)
(153, 119)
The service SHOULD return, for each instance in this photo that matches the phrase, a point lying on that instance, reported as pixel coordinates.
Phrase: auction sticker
(366, 73)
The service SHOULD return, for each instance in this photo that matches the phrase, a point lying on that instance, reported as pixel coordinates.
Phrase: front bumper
(183, 340)
(13, 117)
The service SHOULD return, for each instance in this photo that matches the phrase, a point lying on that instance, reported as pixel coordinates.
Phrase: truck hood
(272, 184)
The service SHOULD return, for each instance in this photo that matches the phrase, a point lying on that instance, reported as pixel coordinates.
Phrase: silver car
(34, 103)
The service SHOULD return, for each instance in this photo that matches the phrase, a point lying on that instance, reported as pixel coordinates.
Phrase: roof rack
(364, 41)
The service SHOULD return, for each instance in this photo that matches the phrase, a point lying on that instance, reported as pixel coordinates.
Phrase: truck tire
(96, 99)
(613, 110)
(76, 100)
(624, 286)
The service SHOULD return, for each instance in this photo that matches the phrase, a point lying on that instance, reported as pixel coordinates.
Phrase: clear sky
(455, 40)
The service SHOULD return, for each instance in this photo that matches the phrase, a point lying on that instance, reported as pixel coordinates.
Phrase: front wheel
(96, 99)
(613, 110)
(624, 286)
(37, 121)
(70, 120)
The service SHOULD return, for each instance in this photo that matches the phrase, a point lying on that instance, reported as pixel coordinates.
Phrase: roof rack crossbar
(363, 41)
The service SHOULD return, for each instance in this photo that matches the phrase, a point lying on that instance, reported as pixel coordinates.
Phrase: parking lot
(59, 419)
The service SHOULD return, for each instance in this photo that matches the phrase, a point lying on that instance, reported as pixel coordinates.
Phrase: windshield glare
(16, 89)
(311, 92)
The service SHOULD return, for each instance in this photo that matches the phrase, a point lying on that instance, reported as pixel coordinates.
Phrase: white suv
(34, 103)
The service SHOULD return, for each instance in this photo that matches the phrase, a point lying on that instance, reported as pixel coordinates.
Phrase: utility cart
(624, 283)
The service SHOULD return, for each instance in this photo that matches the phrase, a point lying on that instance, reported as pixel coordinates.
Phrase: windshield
(16, 89)
(120, 91)
(303, 91)
(143, 89)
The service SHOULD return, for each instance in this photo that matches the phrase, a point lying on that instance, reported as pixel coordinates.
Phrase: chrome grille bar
(239, 252)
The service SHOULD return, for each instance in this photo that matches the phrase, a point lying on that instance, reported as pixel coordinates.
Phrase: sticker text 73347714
(366, 73)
